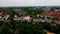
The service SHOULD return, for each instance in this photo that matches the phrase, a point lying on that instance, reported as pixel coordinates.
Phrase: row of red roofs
(51, 14)
(3, 14)
(48, 13)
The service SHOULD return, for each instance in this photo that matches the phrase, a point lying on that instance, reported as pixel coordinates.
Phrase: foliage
(18, 27)
(23, 27)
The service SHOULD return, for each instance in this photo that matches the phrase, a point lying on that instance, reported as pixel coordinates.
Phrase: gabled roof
(3, 14)
(53, 13)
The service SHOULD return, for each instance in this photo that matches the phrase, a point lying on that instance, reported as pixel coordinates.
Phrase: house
(4, 17)
(42, 20)
(53, 15)
(1, 15)
(47, 16)
(22, 18)
(36, 20)
(18, 18)
(41, 16)
(27, 18)
(56, 10)
(56, 21)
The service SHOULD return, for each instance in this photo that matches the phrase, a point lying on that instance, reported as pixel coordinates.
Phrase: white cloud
(29, 2)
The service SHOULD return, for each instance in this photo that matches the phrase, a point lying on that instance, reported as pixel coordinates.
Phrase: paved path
(48, 32)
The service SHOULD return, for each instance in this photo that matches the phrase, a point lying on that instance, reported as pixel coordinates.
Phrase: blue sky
(29, 3)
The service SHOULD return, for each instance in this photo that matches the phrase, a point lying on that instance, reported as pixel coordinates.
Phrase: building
(22, 18)
(27, 18)
(53, 15)
(4, 17)
(18, 18)
(56, 10)
(56, 21)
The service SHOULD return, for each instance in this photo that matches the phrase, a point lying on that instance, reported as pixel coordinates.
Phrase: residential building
(18, 18)
(4, 17)
(28, 18)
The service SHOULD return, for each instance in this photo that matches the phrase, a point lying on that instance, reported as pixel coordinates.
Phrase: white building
(17, 18)
(28, 18)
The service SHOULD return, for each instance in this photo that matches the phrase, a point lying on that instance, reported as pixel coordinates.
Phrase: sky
(4, 3)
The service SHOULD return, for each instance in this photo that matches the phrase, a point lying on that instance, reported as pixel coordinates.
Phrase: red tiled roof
(53, 13)
(49, 13)
(3, 14)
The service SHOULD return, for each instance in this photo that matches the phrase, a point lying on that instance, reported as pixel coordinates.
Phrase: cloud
(50, 2)
(29, 2)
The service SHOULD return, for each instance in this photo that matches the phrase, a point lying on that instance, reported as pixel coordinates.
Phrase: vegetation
(21, 28)
(33, 11)
(27, 28)
(51, 28)
(16, 27)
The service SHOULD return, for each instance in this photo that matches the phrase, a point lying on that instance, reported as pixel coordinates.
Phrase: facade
(4, 17)
(25, 18)
(18, 18)
(56, 10)
(56, 21)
